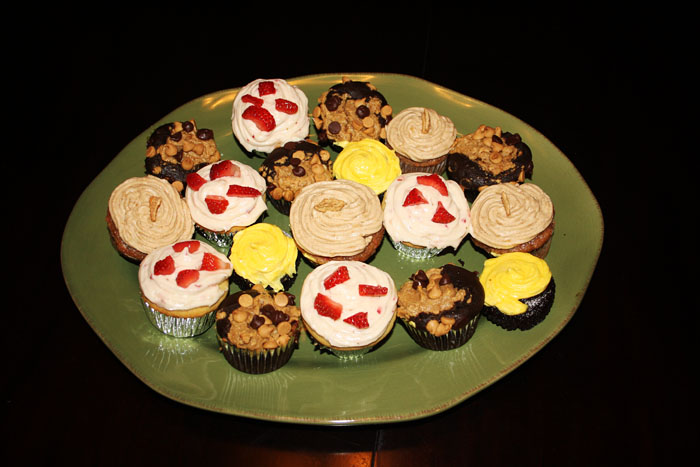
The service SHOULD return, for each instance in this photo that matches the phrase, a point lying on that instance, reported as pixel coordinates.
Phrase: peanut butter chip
(245, 300)
(330, 204)
(281, 299)
(154, 203)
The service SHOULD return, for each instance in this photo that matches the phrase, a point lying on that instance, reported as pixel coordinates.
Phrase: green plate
(396, 382)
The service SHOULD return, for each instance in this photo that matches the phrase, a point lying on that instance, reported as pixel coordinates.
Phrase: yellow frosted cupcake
(264, 254)
(368, 162)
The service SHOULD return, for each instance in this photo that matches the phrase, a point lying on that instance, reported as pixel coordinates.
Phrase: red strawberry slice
(442, 216)
(435, 181)
(216, 204)
(285, 106)
(266, 87)
(339, 276)
(212, 262)
(248, 99)
(327, 307)
(242, 191)
(191, 245)
(414, 197)
(195, 181)
(359, 320)
(261, 117)
(164, 267)
(187, 277)
(224, 169)
(366, 290)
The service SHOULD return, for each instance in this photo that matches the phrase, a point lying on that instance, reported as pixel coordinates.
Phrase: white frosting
(288, 127)
(164, 291)
(380, 310)
(413, 224)
(240, 212)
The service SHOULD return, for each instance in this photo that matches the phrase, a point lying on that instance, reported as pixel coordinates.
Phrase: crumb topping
(494, 150)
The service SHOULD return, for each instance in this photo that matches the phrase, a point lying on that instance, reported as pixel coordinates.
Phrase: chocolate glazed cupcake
(440, 307)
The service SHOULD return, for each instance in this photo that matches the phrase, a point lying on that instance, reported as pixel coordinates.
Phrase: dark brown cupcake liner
(538, 307)
(260, 361)
(452, 340)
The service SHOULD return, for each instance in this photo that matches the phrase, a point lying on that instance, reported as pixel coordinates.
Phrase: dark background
(614, 387)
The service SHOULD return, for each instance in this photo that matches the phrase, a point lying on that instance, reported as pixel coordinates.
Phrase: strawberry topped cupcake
(181, 286)
(224, 198)
(268, 113)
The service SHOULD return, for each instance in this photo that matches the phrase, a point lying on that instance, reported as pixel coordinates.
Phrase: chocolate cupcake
(351, 111)
(291, 167)
(258, 331)
(178, 148)
(440, 307)
(486, 157)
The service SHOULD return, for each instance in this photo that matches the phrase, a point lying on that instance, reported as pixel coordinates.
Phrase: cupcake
(291, 167)
(351, 111)
(421, 138)
(348, 307)
(513, 217)
(224, 198)
(257, 330)
(178, 148)
(336, 220)
(440, 307)
(486, 157)
(264, 254)
(182, 285)
(519, 290)
(144, 214)
(268, 113)
(424, 214)
(368, 162)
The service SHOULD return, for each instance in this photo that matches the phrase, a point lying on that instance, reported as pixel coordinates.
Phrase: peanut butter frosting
(508, 214)
(149, 213)
(421, 134)
(335, 218)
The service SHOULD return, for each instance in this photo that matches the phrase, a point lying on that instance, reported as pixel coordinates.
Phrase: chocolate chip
(445, 279)
(295, 161)
(334, 128)
(332, 103)
(420, 278)
(299, 171)
(205, 134)
(362, 111)
(187, 126)
(256, 322)
(275, 315)
(510, 139)
(176, 136)
(496, 139)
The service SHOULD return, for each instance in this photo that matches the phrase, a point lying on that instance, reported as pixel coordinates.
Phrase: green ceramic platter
(396, 382)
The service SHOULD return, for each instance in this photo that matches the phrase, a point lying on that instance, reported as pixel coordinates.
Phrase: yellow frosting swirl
(368, 162)
(512, 276)
(263, 254)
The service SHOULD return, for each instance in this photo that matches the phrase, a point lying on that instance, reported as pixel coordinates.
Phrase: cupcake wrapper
(407, 167)
(415, 253)
(452, 340)
(282, 205)
(257, 362)
(223, 240)
(345, 355)
(179, 327)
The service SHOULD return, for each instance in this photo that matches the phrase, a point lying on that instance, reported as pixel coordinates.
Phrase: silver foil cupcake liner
(415, 253)
(257, 362)
(452, 340)
(223, 240)
(179, 327)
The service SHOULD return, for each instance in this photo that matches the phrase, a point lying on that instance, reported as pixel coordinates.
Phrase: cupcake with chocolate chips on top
(257, 331)
(440, 307)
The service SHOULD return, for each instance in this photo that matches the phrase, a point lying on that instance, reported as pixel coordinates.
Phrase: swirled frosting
(420, 134)
(335, 218)
(508, 214)
(413, 223)
(287, 125)
(239, 211)
(368, 162)
(165, 288)
(513, 276)
(149, 213)
(263, 254)
(377, 310)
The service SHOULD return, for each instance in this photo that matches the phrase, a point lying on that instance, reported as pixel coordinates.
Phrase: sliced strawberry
(164, 267)
(285, 106)
(212, 262)
(414, 197)
(191, 245)
(224, 169)
(195, 181)
(441, 215)
(435, 181)
(327, 307)
(261, 117)
(187, 277)
(216, 204)
(339, 276)
(359, 320)
(366, 290)
(248, 99)
(241, 191)
(266, 87)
